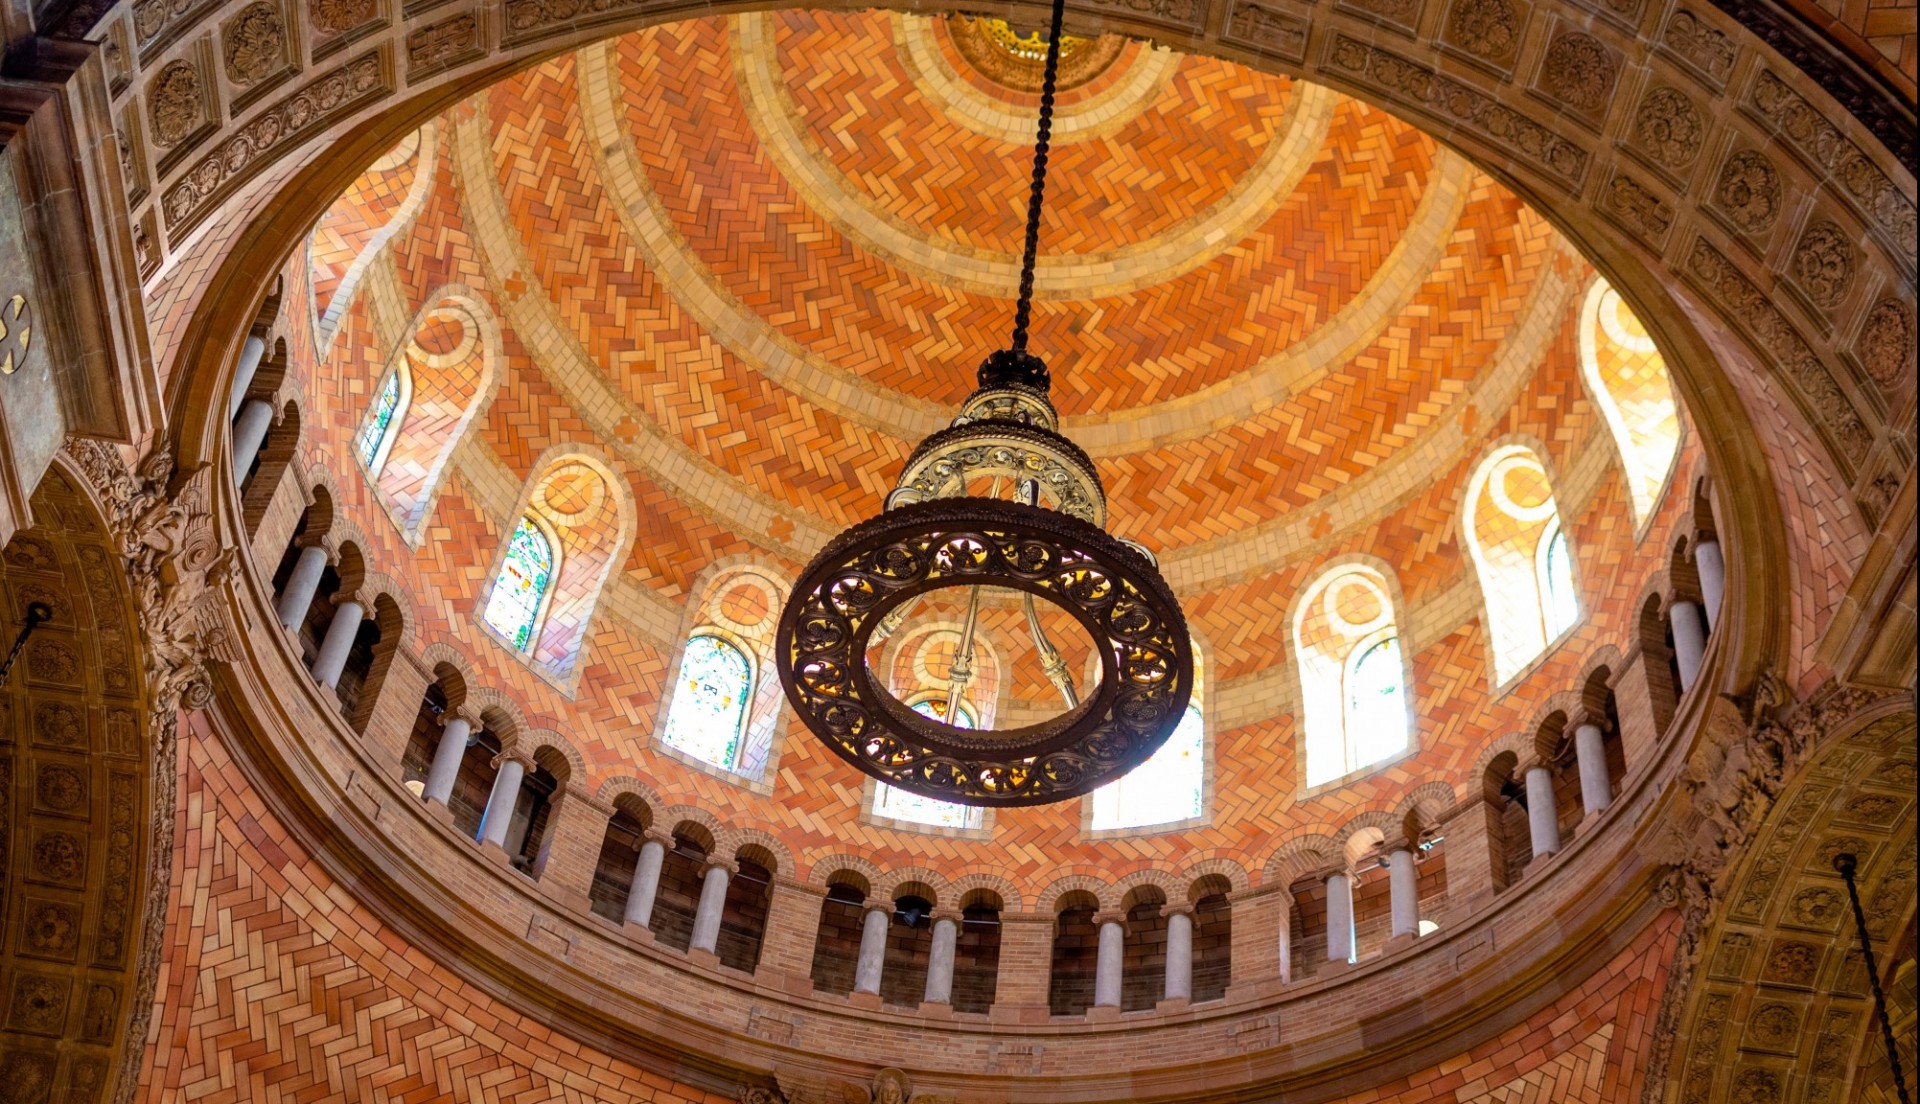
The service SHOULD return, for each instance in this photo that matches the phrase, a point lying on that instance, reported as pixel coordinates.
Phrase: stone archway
(76, 783)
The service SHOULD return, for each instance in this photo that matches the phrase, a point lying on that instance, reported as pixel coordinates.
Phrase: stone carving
(52, 661)
(1641, 210)
(116, 897)
(175, 104)
(59, 857)
(287, 121)
(60, 788)
(150, 17)
(1401, 13)
(1268, 31)
(1190, 13)
(27, 1075)
(31, 552)
(1580, 71)
(1756, 1086)
(1816, 905)
(1775, 1025)
(333, 17)
(52, 930)
(1872, 808)
(39, 1004)
(123, 732)
(761, 1094)
(1771, 332)
(890, 1086)
(102, 1005)
(1822, 143)
(1710, 51)
(1668, 128)
(1823, 264)
(143, 253)
(1411, 83)
(1486, 28)
(1749, 191)
(443, 43)
(256, 43)
(57, 724)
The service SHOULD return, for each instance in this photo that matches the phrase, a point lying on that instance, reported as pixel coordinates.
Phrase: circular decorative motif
(1579, 70)
(1824, 263)
(1749, 191)
(256, 43)
(1886, 341)
(58, 856)
(1016, 60)
(1486, 27)
(173, 103)
(1669, 128)
(874, 568)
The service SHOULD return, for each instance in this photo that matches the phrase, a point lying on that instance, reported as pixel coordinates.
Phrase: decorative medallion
(1887, 342)
(174, 104)
(1823, 264)
(1580, 71)
(1749, 191)
(256, 43)
(1015, 59)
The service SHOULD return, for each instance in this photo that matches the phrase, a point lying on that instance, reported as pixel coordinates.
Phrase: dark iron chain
(1023, 313)
(1847, 864)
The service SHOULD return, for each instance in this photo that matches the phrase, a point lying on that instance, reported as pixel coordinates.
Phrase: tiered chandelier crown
(1047, 542)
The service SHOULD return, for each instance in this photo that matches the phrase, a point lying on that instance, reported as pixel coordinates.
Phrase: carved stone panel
(50, 929)
(255, 48)
(443, 45)
(1667, 130)
(176, 104)
(38, 1003)
(1886, 343)
(1748, 191)
(1399, 15)
(1823, 263)
(1638, 209)
(1580, 71)
(1774, 1026)
(337, 22)
(1708, 52)
(1266, 29)
(1489, 31)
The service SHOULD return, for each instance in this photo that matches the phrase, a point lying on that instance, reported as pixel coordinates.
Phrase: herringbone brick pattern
(358, 215)
(1325, 453)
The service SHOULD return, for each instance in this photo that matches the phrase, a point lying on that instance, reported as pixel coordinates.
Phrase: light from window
(1163, 790)
(379, 421)
(1376, 706)
(1428, 927)
(513, 609)
(897, 804)
(709, 709)
(1562, 601)
(1627, 379)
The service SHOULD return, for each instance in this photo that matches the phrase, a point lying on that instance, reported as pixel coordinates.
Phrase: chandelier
(998, 499)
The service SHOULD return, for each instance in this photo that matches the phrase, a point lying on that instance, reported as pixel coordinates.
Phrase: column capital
(342, 596)
(658, 835)
(952, 914)
(514, 755)
(462, 713)
(715, 863)
(871, 905)
(1109, 916)
(322, 541)
(1176, 908)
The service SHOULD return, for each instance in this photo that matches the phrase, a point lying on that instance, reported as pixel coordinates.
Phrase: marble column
(301, 586)
(1111, 960)
(1179, 976)
(251, 353)
(946, 938)
(1689, 641)
(1340, 917)
(506, 794)
(1590, 750)
(332, 660)
(873, 947)
(1403, 891)
(646, 880)
(1543, 820)
(713, 901)
(249, 433)
(455, 733)
(1712, 569)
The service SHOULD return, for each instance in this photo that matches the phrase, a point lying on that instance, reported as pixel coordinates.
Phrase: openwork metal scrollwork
(875, 568)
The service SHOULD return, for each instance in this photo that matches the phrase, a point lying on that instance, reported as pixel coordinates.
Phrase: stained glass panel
(525, 574)
(1376, 706)
(1163, 790)
(1562, 602)
(710, 706)
(898, 804)
(379, 420)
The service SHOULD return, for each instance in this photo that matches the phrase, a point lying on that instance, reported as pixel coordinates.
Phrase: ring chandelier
(1046, 542)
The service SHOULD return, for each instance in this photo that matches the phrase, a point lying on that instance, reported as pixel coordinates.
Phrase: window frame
(1556, 530)
(1091, 829)
(538, 626)
(1389, 633)
(402, 373)
(743, 721)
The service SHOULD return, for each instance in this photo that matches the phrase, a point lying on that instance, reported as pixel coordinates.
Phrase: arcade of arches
(415, 416)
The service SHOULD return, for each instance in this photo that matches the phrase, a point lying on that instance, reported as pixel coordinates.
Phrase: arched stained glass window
(526, 572)
(1562, 605)
(1376, 704)
(1626, 378)
(898, 804)
(1166, 789)
(382, 419)
(709, 710)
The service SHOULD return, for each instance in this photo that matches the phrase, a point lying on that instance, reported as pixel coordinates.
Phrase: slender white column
(1339, 917)
(1285, 905)
(1543, 820)
(301, 587)
(332, 660)
(1179, 952)
(1712, 569)
(713, 899)
(1403, 892)
(873, 947)
(500, 803)
(1590, 750)
(946, 935)
(251, 354)
(1112, 959)
(1689, 641)
(646, 882)
(446, 759)
(249, 433)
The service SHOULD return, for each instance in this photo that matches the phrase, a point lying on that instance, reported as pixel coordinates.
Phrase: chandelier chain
(1023, 313)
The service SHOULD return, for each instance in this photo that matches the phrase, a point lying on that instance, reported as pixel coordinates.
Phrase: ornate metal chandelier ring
(946, 462)
(1114, 592)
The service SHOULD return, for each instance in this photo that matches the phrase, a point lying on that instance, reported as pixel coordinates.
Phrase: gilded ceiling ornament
(1016, 59)
(946, 526)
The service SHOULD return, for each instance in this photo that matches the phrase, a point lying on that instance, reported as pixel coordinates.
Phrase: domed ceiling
(744, 264)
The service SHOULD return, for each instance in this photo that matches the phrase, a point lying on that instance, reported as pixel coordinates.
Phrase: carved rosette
(175, 103)
(1749, 191)
(256, 44)
(1823, 264)
(1579, 71)
(1886, 345)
